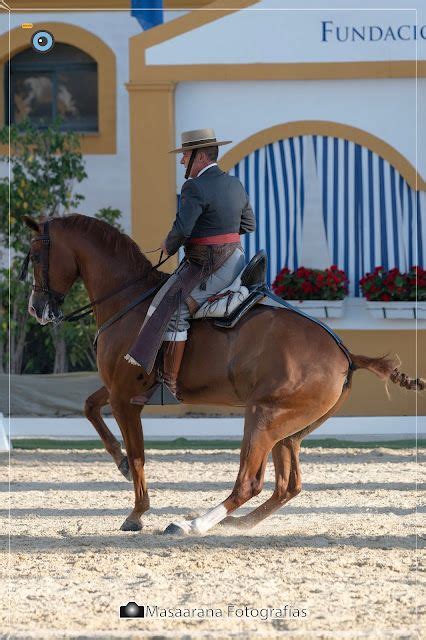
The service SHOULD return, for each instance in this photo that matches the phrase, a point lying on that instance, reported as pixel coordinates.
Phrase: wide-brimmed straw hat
(199, 139)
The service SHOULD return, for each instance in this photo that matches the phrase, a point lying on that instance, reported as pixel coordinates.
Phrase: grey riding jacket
(212, 204)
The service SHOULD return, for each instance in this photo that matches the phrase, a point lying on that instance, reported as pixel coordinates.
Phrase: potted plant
(319, 292)
(392, 294)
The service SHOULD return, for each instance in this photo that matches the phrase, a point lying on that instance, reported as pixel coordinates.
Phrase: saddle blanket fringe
(131, 360)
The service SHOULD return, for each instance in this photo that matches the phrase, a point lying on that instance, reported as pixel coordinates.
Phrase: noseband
(44, 238)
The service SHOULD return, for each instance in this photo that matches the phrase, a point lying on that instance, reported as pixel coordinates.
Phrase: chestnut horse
(287, 371)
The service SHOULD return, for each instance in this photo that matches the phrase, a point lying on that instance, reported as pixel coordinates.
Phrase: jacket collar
(213, 170)
(209, 166)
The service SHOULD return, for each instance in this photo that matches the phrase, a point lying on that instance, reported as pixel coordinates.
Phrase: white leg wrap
(208, 520)
(204, 522)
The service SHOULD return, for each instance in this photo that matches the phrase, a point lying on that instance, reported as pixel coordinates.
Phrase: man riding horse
(290, 371)
(214, 209)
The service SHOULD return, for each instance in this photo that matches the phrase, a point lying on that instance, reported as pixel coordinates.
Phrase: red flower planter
(318, 292)
(395, 295)
(311, 284)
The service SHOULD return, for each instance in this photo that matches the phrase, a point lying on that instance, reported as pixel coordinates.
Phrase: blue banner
(149, 13)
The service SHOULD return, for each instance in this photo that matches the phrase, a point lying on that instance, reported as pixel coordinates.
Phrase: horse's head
(54, 270)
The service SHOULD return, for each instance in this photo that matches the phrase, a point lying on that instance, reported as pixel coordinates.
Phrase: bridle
(59, 298)
(44, 238)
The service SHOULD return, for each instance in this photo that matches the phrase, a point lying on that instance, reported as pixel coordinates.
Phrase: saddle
(230, 304)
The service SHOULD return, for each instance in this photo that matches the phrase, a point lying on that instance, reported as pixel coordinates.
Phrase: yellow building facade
(204, 68)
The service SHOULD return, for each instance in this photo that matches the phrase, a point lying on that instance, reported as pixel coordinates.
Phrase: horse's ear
(31, 223)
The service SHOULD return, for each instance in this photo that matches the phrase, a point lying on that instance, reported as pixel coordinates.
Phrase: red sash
(224, 238)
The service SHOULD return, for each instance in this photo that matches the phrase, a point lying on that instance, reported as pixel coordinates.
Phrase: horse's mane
(116, 243)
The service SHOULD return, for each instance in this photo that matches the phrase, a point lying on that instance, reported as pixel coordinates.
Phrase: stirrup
(167, 390)
(158, 394)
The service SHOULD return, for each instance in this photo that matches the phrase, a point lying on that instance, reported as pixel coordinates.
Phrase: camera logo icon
(42, 41)
(132, 610)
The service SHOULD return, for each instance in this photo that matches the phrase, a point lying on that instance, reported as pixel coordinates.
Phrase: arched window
(63, 82)
(364, 212)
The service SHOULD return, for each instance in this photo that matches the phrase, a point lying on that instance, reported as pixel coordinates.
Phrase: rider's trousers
(178, 326)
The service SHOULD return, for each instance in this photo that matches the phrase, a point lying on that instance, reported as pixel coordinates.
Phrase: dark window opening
(63, 82)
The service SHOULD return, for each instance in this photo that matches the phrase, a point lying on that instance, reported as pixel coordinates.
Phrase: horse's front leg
(129, 421)
(92, 411)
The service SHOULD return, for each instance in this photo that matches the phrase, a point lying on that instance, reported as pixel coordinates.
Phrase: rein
(123, 312)
(59, 298)
(72, 317)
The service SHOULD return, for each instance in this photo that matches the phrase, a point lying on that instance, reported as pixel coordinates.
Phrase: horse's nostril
(32, 311)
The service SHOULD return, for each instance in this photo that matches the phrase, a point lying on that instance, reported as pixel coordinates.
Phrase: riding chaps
(199, 263)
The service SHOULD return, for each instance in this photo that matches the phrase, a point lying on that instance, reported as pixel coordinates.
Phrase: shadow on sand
(148, 541)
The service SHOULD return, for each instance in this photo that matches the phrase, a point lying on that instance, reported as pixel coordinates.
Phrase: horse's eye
(35, 258)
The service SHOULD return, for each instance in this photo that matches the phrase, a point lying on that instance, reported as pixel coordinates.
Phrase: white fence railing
(387, 427)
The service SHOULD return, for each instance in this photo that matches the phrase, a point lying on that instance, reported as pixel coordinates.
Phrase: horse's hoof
(176, 530)
(131, 525)
(124, 468)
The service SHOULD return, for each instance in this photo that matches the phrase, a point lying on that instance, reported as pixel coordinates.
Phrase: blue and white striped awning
(371, 216)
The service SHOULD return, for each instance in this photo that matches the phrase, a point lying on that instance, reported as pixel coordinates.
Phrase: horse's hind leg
(92, 411)
(256, 445)
(288, 477)
(288, 484)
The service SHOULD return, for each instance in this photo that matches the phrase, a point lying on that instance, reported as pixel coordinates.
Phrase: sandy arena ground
(344, 549)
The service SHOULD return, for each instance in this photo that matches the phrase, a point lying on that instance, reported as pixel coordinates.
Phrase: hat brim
(200, 145)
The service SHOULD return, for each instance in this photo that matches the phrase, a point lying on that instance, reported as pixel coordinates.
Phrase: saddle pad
(231, 298)
(224, 306)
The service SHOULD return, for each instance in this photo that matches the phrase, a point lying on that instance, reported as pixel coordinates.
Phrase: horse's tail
(387, 369)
